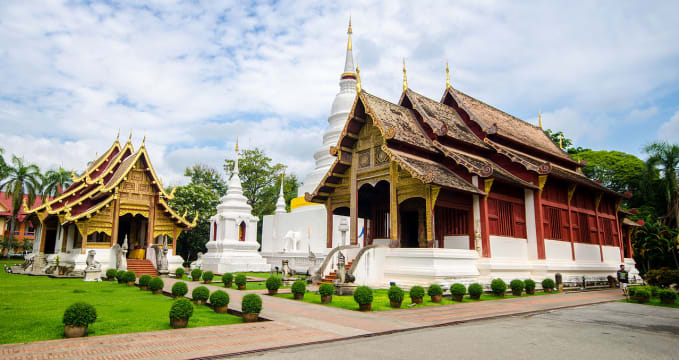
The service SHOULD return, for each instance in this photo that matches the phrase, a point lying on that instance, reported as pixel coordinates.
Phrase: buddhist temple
(118, 201)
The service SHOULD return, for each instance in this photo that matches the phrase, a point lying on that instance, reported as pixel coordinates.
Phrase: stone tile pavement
(293, 323)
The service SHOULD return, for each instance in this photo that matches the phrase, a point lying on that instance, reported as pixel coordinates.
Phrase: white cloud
(670, 130)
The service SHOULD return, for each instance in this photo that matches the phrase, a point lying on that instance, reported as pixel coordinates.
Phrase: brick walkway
(293, 323)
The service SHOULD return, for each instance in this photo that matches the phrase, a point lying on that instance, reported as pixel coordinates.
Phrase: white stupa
(233, 245)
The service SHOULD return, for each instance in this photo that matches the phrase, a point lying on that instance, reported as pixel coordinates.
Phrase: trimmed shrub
(179, 289)
(434, 290)
(416, 292)
(475, 290)
(251, 304)
(208, 276)
(80, 314)
(363, 295)
(111, 274)
(632, 289)
(395, 294)
(273, 283)
(654, 290)
(498, 286)
(181, 309)
(227, 279)
(517, 286)
(200, 293)
(530, 284)
(195, 274)
(547, 284)
(642, 292)
(241, 280)
(156, 284)
(298, 287)
(120, 274)
(179, 272)
(667, 295)
(144, 280)
(326, 289)
(219, 298)
(458, 289)
(129, 276)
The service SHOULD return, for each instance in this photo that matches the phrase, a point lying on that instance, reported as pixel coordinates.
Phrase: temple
(118, 202)
(458, 190)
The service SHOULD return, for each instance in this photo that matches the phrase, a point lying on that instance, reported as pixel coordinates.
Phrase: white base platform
(231, 261)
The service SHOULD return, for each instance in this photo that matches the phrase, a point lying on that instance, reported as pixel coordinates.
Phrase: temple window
(214, 231)
(99, 237)
(241, 231)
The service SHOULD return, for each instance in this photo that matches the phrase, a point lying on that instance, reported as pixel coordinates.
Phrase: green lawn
(654, 302)
(32, 308)
(381, 300)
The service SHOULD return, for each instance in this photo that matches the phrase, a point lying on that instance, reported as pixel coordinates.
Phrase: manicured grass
(381, 300)
(654, 302)
(32, 308)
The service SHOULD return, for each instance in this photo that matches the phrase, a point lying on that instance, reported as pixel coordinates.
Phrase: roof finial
(447, 76)
(143, 141)
(540, 118)
(405, 78)
(118, 135)
(358, 78)
(236, 143)
(349, 33)
(561, 141)
(129, 139)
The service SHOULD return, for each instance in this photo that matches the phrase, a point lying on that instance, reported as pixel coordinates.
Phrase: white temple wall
(587, 253)
(531, 231)
(558, 250)
(611, 253)
(367, 271)
(507, 247)
(456, 242)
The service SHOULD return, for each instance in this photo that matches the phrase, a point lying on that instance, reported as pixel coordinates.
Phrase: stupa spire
(349, 60)
(235, 167)
(280, 204)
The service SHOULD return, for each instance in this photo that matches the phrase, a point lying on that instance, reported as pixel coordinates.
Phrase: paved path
(293, 323)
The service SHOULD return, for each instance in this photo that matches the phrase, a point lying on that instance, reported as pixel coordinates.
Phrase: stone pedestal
(345, 289)
(92, 275)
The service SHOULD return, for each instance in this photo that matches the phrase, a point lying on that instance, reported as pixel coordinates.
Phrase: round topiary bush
(181, 309)
(144, 281)
(298, 287)
(241, 281)
(530, 286)
(111, 274)
(179, 272)
(434, 289)
(326, 289)
(498, 287)
(396, 295)
(416, 294)
(517, 287)
(631, 290)
(642, 294)
(179, 289)
(667, 296)
(156, 285)
(548, 285)
(227, 279)
(363, 295)
(129, 277)
(80, 314)
(208, 276)
(200, 295)
(195, 274)
(251, 304)
(120, 274)
(458, 291)
(654, 290)
(273, 283)
(219, 298)
(475, 291)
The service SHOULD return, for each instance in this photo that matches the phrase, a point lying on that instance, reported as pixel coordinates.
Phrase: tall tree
(22, 179)
(3, 165)
(191, 198)
(616, 170)
(665, 157)
(55, 181)
(202, 174)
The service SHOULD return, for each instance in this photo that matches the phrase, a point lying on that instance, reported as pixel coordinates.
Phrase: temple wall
(611, 253)
(506, 247)
(558, 250)
(587, 253)
(456, 242)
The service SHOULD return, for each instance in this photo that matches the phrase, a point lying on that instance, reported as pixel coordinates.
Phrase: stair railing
(329, 263)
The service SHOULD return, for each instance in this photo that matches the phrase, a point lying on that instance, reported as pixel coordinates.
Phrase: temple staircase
(141, 267)
(330, 278)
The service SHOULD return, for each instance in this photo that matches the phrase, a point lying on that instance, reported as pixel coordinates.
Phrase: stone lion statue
(92, 264)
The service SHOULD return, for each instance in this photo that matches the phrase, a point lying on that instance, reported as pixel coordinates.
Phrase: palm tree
(666, 156)
(3, 165)
(55, 181)
(21, 180)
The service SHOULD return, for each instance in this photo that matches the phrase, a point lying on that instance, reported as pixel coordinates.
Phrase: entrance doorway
(412, 220)
(50, 240)
(135, 228)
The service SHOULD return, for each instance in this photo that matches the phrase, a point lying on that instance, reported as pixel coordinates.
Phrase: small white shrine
(233, 245)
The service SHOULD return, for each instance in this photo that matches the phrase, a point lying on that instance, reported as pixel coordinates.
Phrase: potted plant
(129, 277)
(241, 281)
(227, 279)
(435, 292)
(179, 272)
(144, 281)
(458, 291)
(180, 312)
(273, 283)
(200, 295)
(530, 286)
(156, 285)
(326, 290)
(416, 294)
(396, 296)
(498, 287)
(667, 296)
(76, 319)
(208, 276)
(179, 289)
(111, 274)
(120, 274)
(642, 295)
(298, 289)
(195, 274)
(251, 307)
(475, 291)
(219, 301)
(548, 285)
(363, 295)
(517, 287)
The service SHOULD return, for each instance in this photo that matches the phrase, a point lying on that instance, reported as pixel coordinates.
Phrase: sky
(193, 75)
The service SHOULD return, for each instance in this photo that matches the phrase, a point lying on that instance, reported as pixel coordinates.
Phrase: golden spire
(236, 143)
(447, 76)
(349, 33)
(540, 118)
(405, 78)
(118, 135)
(143, 141)
(561, 141)
(358, 78)
(129, 139)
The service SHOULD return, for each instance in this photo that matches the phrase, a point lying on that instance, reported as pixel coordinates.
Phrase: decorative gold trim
(487, 185)
(571, 191)
(542, 179)
(90, 211)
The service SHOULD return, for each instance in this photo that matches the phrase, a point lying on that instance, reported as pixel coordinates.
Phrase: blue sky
(194, 74)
